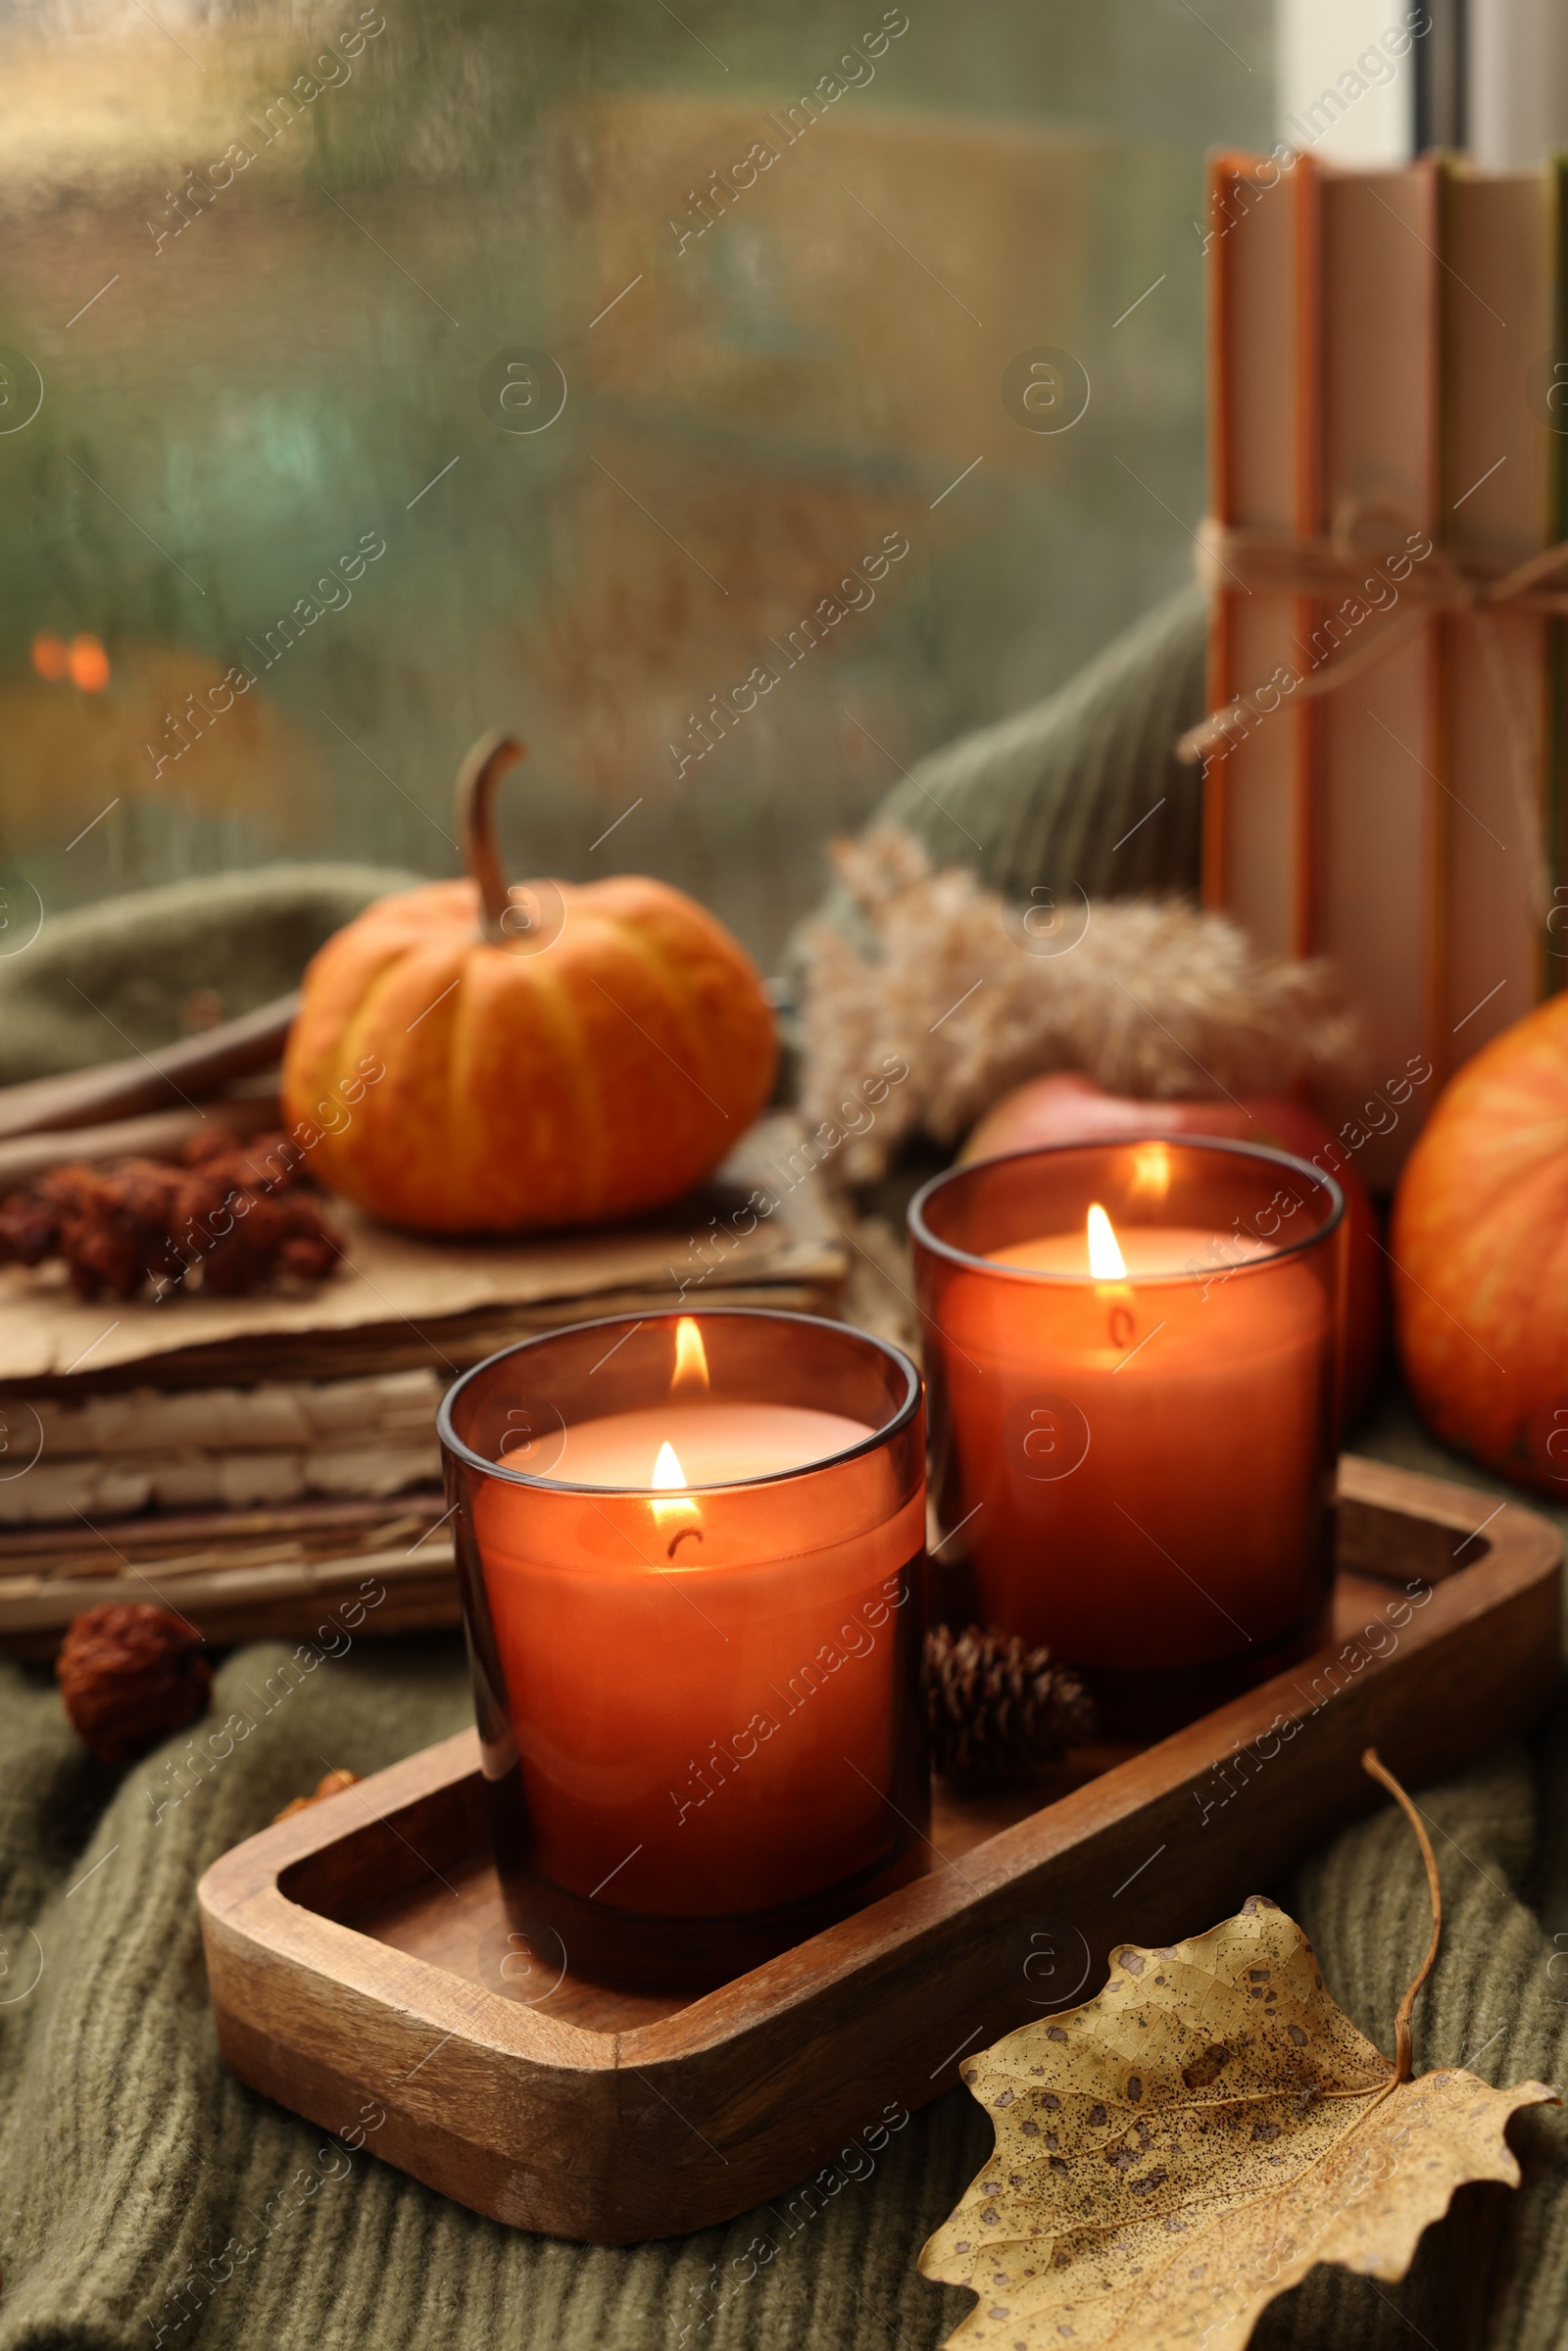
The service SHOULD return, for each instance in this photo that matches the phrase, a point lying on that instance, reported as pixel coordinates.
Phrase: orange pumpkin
(1480, 1249)
(553, 1055)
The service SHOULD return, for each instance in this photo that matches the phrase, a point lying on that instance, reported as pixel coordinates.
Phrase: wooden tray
(356, 1951)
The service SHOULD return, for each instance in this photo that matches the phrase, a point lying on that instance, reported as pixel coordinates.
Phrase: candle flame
(1106, 1262)
(691, 1362)
(668, 1471)
(680, 1512)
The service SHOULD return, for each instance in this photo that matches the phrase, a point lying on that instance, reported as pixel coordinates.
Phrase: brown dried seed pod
(229, 1215)
(30, 1230)
(130, 1676)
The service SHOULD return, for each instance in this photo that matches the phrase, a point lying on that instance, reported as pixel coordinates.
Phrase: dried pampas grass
(1148, 998)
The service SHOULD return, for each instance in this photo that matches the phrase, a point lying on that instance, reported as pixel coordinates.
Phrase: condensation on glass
(737, 403)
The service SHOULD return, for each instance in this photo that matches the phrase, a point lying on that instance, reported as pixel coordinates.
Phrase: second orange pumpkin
(1480, 1251)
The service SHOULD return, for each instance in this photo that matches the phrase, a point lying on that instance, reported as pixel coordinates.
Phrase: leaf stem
(1403, 2062)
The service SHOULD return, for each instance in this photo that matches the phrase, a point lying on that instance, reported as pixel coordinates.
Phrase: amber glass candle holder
(1132, 1353)
(692, 1551)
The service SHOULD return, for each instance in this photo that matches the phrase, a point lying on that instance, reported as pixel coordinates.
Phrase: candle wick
(696, 1534)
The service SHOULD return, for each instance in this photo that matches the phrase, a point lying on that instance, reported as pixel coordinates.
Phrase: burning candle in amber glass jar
(1132, 1353)
(692, 1555)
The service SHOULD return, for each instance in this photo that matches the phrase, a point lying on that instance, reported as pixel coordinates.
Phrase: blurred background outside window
(374, 375)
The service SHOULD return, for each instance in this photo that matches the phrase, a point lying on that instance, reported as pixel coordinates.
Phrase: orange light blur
(90, 664)
(1151, 1171)
(50, 657)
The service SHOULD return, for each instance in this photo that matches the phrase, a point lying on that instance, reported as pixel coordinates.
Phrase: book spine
(1249, 795)
(1221, 680)
(1306, 721)
(1500, 298)
(1554, 394)
(1438, 649)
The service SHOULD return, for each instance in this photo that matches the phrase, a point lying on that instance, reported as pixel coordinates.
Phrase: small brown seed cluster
(228, 1211)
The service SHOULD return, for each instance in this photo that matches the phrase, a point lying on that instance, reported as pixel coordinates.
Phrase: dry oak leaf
(1180, 2149)
(330, 1783)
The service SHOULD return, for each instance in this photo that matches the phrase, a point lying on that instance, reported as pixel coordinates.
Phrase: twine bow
(1363, 553)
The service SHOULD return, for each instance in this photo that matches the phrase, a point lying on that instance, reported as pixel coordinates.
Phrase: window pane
(701, 395)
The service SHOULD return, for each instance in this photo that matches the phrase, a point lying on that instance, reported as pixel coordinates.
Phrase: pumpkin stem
(481, 772)
(1403, 2060)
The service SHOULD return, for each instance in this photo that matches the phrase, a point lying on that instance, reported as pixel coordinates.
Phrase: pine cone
(997, 1712)
(131, 1675)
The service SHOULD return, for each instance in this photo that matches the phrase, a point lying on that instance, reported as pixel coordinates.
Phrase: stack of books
(1389, 406)
(249, 1461)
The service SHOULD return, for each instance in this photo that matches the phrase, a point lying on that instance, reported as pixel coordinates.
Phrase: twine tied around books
(1375, 547)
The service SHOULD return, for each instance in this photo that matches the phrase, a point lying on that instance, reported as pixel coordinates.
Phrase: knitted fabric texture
(974, 931)
(1083, 789)
(117, 977)
(148, 2199)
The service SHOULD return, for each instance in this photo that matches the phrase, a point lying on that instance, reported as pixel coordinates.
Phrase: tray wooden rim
(260, 1941)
